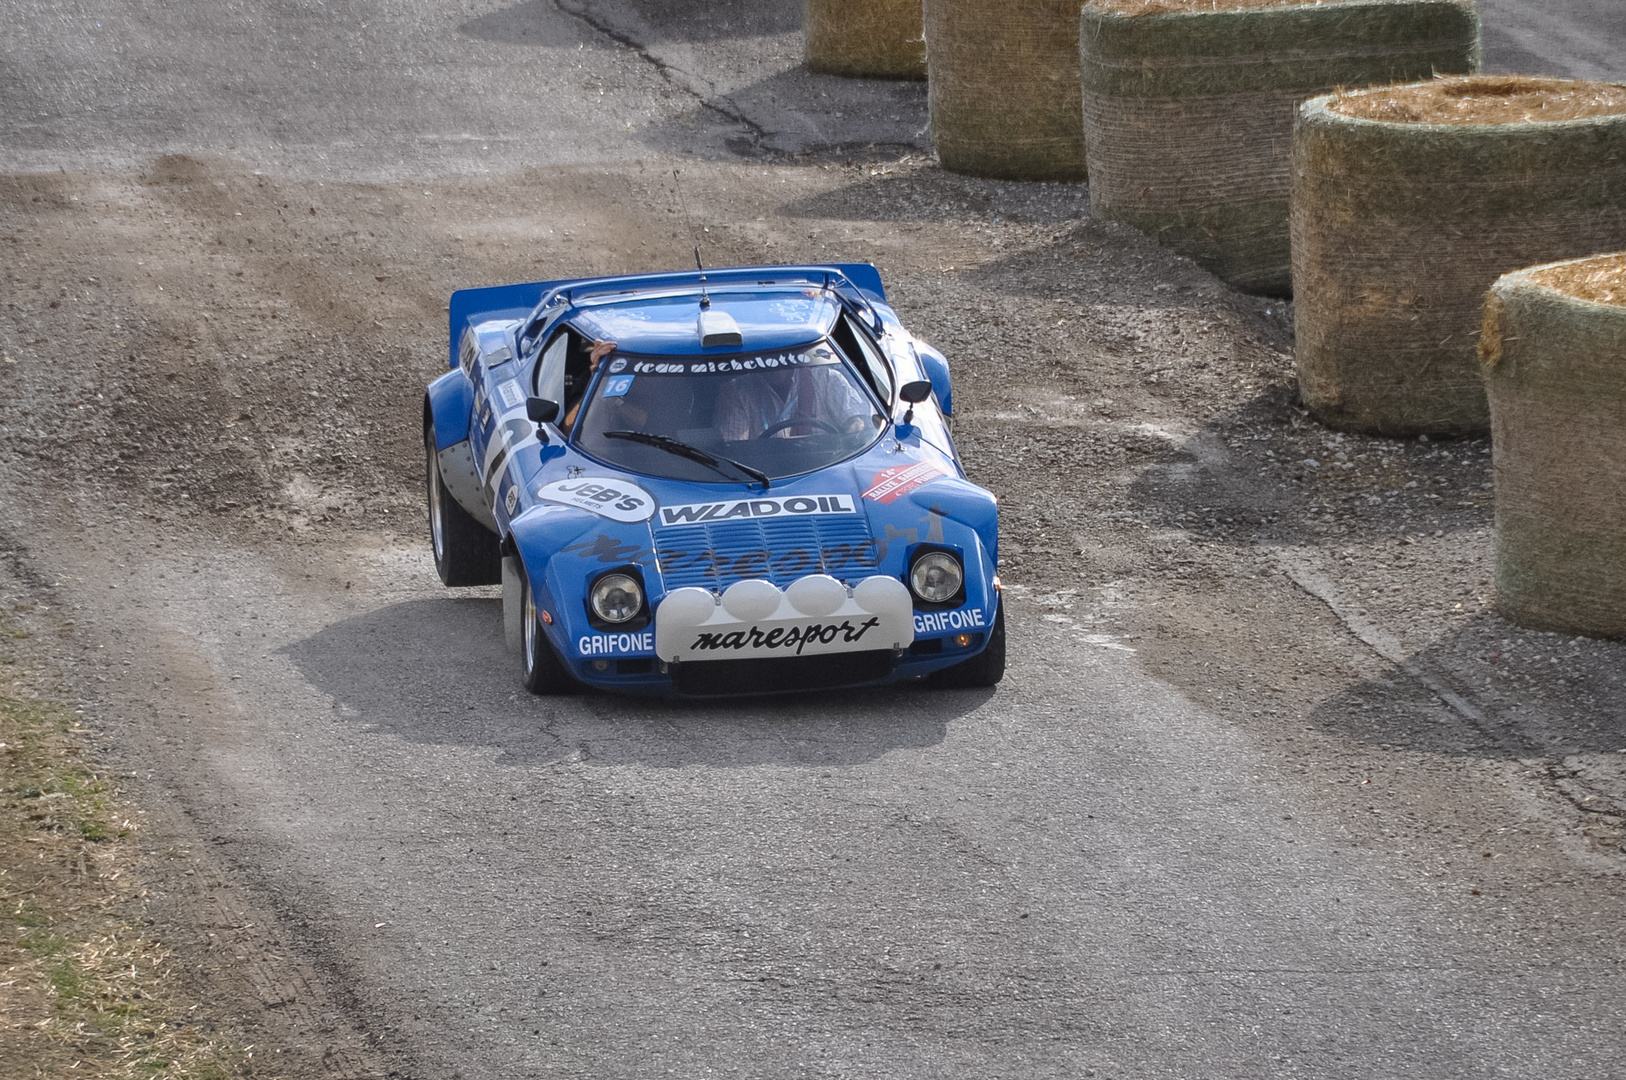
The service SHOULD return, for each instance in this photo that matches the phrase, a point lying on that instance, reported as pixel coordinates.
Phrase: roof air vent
(719, 328)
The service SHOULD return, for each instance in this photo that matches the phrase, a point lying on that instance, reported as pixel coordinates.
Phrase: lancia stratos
(711, 483)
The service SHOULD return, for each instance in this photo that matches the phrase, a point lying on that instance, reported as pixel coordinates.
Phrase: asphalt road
(1090, 871)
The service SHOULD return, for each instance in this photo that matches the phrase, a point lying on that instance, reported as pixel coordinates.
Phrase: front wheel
(466, 552)
(544, 674)
(984, 669)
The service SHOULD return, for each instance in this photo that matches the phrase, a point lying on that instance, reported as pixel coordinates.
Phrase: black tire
(466, 552)
(544, 674)
(984, 669)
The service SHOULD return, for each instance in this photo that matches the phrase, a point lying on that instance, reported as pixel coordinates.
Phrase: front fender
(449, 405)
(937, 370)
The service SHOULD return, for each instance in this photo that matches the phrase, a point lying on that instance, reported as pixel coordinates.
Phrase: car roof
(666, 322)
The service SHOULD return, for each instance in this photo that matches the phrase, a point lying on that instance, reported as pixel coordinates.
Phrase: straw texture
(1003, 87)
(1188, 115)
(865, 39)
(1555, 369)
(1397, 231)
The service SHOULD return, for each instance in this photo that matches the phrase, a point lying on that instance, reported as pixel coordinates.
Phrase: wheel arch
(448, 405)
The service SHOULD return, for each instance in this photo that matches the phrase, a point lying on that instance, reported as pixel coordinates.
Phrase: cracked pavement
(1270, 789)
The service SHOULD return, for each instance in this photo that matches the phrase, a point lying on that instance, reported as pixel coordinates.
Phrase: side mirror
(541, 411)
(915, 392)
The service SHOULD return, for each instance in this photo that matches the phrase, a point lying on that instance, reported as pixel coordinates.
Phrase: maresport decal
(787, 639)
(748, 509)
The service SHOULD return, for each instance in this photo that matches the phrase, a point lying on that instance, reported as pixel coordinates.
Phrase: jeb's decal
(892, 484)
(745, 509)
(615, 644)
(511, 500)
(786, 638)
(614, 499)
(617, 385)
(935, 622)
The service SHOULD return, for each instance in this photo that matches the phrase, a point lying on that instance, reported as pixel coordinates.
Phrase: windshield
(779, 414)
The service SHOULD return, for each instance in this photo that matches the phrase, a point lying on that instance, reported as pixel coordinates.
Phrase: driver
(600, 350)
(789, 402)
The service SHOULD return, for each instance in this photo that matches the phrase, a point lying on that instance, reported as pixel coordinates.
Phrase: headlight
(936, 577)
(616, 598)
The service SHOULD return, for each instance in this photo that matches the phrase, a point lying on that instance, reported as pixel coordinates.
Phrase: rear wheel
(544, 674)
(466, 552)
(984, 669)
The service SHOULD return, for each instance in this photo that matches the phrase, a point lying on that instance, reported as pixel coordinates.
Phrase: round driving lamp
(936, 577)
(616, 598)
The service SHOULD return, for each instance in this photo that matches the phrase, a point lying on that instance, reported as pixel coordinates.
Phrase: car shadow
(436, 672)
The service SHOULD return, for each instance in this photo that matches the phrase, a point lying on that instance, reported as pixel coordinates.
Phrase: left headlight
(617, 598)
(936, 576)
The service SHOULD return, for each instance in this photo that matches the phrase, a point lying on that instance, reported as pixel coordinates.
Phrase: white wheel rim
(437, 534)
(529, 615)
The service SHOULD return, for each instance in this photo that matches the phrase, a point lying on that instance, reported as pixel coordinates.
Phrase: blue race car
(711, 483)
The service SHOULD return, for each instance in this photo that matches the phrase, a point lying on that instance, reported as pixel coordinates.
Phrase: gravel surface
(1271, 789)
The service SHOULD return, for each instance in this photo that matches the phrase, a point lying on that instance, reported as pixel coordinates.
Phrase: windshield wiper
(693, 453)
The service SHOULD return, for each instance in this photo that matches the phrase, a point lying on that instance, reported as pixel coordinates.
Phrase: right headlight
(936, 576)
(616, 598)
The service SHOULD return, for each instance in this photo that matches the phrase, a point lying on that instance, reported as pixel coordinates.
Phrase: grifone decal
(617, 500)
(748, 509)
(616, 644)
(937, 622)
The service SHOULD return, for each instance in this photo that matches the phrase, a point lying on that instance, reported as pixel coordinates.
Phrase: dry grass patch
(82, 992)
(1601, 280)
(1486, 99)
(1133, 8)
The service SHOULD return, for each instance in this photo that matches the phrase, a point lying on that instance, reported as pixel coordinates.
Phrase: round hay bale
(1554, 351)
(865, 39)
(1189, 105)
(1003, 88)
(1408, 202)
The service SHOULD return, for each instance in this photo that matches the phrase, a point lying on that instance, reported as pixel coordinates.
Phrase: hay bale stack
(1004, 96)
(1188, 109)
(865, 39)
(1554, 351)
(1408, 202)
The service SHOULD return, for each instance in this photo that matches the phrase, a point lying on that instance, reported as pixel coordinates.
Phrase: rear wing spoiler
(517, 301)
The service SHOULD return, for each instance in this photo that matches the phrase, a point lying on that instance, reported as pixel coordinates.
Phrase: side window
(864, 356)
(550, 373)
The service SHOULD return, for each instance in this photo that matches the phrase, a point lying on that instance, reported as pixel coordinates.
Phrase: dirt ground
(206, 354)
(204, 350)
